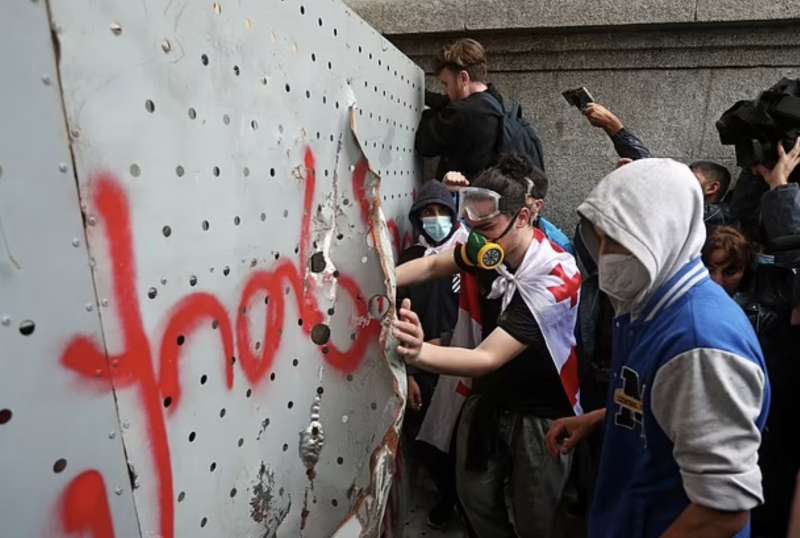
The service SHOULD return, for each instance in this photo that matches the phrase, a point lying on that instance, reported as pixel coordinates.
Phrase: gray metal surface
(61, 457)
(244, 169)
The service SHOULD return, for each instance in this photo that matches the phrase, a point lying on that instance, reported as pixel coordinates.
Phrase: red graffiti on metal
(84, 507)
(159, 392)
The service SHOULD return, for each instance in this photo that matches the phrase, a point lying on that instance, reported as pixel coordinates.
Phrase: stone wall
(668, 69)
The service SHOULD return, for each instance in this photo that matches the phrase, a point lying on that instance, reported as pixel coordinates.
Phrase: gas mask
(479, 206)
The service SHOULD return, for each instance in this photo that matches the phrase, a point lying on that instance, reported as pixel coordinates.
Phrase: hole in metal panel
(320, 334)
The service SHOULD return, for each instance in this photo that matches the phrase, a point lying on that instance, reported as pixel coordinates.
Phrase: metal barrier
(199, 205)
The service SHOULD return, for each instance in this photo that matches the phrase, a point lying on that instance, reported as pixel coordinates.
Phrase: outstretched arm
(496, 350)
(426, 268)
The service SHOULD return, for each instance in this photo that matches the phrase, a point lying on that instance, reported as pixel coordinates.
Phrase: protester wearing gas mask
(519, 167)
(433, 217)
(690, 393)
(523, 367)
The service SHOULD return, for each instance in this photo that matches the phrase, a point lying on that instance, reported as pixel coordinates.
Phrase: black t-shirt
(529, 382)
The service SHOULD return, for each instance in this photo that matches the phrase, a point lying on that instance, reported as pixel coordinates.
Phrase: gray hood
(653, 208)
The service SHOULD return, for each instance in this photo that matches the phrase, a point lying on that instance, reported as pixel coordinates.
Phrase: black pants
(439, 465)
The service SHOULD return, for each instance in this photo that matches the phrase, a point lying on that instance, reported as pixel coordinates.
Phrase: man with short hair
(714, 179)
(461, 126)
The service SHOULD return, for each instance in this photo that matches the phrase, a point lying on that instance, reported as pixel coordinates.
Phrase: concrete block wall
(668, 69)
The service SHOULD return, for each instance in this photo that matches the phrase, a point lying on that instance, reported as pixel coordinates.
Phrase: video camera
(756, 127)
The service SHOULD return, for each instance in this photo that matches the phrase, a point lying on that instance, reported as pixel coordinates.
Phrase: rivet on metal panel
(116, 29)
(63, 168)
(126, 425)
(163, 281)
(166, 46)
(46, 80)
(112, 435)
(76, 242)
(75, 133)
(345, 419)
(89, 307)
(118, 491)
(6, 321)
(104, 302)
(92, 221)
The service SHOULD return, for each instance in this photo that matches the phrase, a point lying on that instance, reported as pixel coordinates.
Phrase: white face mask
(622, 277)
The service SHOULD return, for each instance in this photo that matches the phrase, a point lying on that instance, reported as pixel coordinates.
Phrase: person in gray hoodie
(689, 394)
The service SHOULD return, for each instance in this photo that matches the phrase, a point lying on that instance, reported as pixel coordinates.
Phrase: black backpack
(516, 135)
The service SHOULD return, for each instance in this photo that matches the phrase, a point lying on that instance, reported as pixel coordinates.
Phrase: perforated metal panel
(60, 450)
(245, 170)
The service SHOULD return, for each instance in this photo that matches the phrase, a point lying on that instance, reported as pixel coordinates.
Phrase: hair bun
(515, 166)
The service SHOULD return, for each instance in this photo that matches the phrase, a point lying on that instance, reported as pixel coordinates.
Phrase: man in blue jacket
(689, 393)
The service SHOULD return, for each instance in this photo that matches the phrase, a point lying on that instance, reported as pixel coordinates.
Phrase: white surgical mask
(437, 228)
(622, 277)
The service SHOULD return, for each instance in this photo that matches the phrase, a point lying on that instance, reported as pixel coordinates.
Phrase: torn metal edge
(366, 516)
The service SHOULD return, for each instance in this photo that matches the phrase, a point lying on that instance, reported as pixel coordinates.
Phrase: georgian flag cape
(549, 282)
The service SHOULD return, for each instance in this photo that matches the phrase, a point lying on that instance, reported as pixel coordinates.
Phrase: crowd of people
(633, 378)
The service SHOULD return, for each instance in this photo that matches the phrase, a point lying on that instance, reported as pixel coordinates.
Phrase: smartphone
(580, 98)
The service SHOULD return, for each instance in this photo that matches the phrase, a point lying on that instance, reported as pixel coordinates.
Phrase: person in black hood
(433, 217)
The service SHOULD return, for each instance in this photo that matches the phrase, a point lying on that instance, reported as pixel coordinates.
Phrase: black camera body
(756, 127)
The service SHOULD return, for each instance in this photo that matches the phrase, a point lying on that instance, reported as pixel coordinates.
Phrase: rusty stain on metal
(267, 509)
